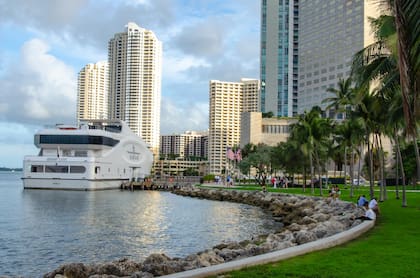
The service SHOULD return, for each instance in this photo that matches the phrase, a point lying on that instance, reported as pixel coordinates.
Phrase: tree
(342, 97)
(268, 114)
(393, 60)
(365, 111)
(289, 157)
(190, 172)
(349, 137)
(409, 162)
(312, 132)
(260, 158)
(407, 16)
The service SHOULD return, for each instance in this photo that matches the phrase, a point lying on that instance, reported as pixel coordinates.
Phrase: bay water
(42, 229)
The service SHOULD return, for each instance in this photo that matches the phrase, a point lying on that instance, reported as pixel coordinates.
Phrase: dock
(162, 184)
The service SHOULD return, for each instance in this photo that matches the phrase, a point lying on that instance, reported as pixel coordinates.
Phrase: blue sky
(45, 43)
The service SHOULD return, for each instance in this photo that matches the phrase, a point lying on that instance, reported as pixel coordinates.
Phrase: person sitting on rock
(369, 213)
(361, 201)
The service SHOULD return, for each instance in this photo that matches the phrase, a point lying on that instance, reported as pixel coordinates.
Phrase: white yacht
(96, 154)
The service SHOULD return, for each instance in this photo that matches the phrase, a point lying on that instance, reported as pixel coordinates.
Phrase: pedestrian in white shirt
(369, 213)
(373, 204)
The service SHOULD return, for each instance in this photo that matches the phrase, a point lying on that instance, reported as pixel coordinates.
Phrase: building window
(37, 168)
(56, 169)
(77, 169)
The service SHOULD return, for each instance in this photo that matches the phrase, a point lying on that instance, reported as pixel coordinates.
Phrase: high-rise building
(227, 101)
(92, 92)
(135, 69)
(186, 145)
(279, 57)
(330, 33)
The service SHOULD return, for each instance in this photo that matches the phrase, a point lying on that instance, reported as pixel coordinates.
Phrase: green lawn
(390, 249)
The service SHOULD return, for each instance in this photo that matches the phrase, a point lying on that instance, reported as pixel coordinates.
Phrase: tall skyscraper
(279, 57)
(330, 33)
(135, 69)
(227, 101)
(92, 92)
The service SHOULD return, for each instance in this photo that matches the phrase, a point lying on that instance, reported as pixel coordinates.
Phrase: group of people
(335, 192)
(371, 208)
(220, 179)
(283, 182)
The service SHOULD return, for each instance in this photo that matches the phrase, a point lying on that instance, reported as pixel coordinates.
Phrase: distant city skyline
(45, 44)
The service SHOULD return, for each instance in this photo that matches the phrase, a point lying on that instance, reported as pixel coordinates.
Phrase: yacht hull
(72, 184)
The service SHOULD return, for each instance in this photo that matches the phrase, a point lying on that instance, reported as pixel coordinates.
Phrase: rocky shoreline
(305, 219)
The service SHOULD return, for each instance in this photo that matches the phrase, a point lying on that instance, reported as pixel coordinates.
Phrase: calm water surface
(42, 229)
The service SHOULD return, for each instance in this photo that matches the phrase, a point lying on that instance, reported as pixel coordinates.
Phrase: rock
(320, 217)
(209, 257)
(304, 236)
(127, 267)
(160, 264)
(228, 245)
(294, 227)
(119, 268)
(280, 241)
(141, 275)
(254, 250)
(103, 276)
(230, 254)
(76, 270)
(307, 220)
(156, 259)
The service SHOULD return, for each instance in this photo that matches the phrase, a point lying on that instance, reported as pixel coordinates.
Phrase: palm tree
(395, 124)
(366, 111)
(342, 97)
(313, 132)
(393, 60)
(348, 134)
(407, 17)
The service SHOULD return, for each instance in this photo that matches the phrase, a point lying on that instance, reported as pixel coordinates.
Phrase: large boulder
(304, 236)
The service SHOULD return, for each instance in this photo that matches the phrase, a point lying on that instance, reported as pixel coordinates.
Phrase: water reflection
(41, 229)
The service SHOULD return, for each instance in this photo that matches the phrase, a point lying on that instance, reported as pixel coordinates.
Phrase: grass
(390, 249)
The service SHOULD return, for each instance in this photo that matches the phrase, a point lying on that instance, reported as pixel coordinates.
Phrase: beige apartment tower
(227, 100)
(330, 33)
(92, 91)
(183, 146)
(135, 69)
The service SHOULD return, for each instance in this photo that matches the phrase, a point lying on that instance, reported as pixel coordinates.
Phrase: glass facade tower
(279, 57)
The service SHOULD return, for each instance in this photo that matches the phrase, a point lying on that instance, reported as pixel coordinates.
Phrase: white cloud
(176, 67)
(176, 118)
(38, 87)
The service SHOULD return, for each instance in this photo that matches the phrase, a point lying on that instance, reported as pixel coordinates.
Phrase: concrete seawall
(280, 255)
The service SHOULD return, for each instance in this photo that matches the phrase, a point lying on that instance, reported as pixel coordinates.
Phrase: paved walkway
(221, 185)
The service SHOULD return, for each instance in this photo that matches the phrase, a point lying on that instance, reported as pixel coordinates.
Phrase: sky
(45, 43)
